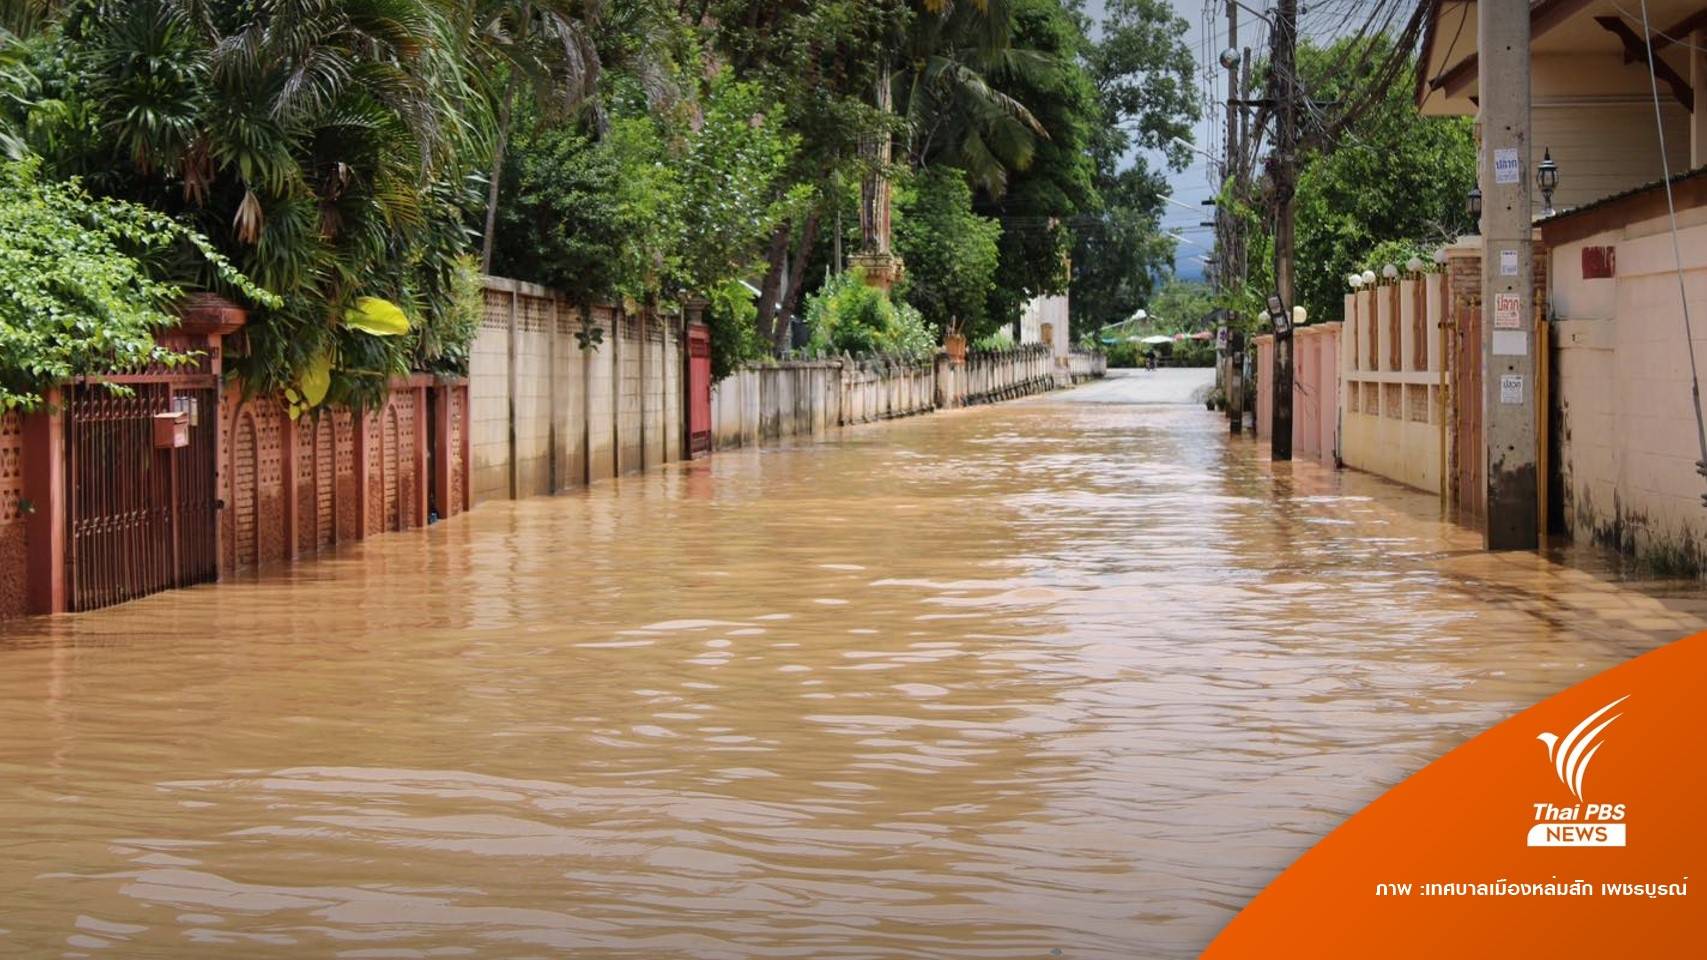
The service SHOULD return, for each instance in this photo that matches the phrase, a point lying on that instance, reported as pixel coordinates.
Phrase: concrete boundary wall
(561, 399)
(808, 398)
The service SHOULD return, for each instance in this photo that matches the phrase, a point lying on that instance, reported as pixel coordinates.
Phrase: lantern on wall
(1547, 178)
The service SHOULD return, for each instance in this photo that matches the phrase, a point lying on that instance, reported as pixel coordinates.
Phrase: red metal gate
(699, 390)
(139, 518)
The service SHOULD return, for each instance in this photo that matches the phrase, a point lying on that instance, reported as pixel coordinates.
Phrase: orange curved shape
(1459, 834)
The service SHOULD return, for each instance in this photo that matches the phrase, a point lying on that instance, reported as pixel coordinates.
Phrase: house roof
(1644, 202)
(1612, 29)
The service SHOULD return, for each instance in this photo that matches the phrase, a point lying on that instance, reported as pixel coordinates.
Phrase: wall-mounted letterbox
(172, 429)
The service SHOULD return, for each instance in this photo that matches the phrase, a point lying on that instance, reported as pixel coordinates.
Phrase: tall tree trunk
(505, 111)
(770, 290)
(796, 279)
(488, 241)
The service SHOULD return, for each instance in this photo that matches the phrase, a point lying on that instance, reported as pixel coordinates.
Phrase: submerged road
(1073, 677)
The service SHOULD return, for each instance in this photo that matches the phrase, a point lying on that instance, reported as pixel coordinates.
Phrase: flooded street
(1067, 677)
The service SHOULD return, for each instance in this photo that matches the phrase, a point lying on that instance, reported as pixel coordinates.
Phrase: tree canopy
(1392, 181)
(348, 153)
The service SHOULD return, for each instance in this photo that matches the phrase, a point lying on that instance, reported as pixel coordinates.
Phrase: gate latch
(172, 429)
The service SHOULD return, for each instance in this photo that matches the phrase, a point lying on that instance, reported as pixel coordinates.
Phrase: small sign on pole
(1506, 167)
(1508, 311)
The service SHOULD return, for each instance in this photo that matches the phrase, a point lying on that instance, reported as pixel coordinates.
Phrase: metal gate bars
(140, 515)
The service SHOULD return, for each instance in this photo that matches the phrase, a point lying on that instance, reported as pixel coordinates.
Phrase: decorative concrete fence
(561, 399)
(991, 375)
(807, 398)
(1078, 366)
(1394, 421)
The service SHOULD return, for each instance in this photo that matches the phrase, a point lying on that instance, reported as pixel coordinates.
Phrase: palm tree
(320, 143)
(957, 54)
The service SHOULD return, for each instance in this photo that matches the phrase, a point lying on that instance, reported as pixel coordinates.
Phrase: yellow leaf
(381, 318)
(317, 379)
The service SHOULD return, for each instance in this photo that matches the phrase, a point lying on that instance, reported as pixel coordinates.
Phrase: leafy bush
(1002, 339)
(734, 335)
(324, 148)
(846, 315)
(76, 299)
(951, 252)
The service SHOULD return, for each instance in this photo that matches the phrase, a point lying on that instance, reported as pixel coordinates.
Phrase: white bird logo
(1571, 755)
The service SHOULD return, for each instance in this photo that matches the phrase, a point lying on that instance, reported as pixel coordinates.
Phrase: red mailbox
(171, 429)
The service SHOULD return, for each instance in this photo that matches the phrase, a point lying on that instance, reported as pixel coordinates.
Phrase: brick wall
(13, 542)
(296, 487)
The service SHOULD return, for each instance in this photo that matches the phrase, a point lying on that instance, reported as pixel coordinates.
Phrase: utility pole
(1233, 382)
(1508, 296)
(1285, 176)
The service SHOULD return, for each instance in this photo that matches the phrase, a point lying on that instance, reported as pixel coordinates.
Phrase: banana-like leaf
(381, 318)
(317, 379)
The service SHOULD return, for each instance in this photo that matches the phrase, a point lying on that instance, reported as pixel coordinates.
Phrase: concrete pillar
(1508, 348)
(510, 390)
(288, 476)
(1697, 52)
(554, 428)
(421, 498)
(359, 453)
(441, 443)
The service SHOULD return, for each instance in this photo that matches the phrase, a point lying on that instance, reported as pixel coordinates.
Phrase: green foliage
(76, 296)
(656, 207)
(1395, 176)
(567, 219)
(1057, 188)
(1144, 75)
(846, 315)
(1001, 339)
(735, 338)
(1142, 71)
(951, 253)
(322, 146)
(1179, 307)
(1397, 252)
(733, 190)
(1121, 255)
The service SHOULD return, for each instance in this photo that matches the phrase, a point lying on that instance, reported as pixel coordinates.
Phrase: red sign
(1600, 263)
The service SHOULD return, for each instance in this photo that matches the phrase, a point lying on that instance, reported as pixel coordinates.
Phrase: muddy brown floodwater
(1069, 677)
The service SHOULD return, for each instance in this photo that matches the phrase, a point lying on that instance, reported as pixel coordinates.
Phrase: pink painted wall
(1265, 383)
(1315, 392)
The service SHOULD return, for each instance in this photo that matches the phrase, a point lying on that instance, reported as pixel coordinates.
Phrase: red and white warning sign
(1508, 311)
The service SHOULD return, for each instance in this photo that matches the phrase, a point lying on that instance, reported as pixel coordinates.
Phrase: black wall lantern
(1473, 203)
(1547, 178)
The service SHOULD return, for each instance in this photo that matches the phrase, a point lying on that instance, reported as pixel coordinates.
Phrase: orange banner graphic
(1575, 829)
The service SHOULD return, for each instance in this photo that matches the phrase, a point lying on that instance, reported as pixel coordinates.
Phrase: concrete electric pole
(1233, 384)
(1508, 295)
(1285, 175)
